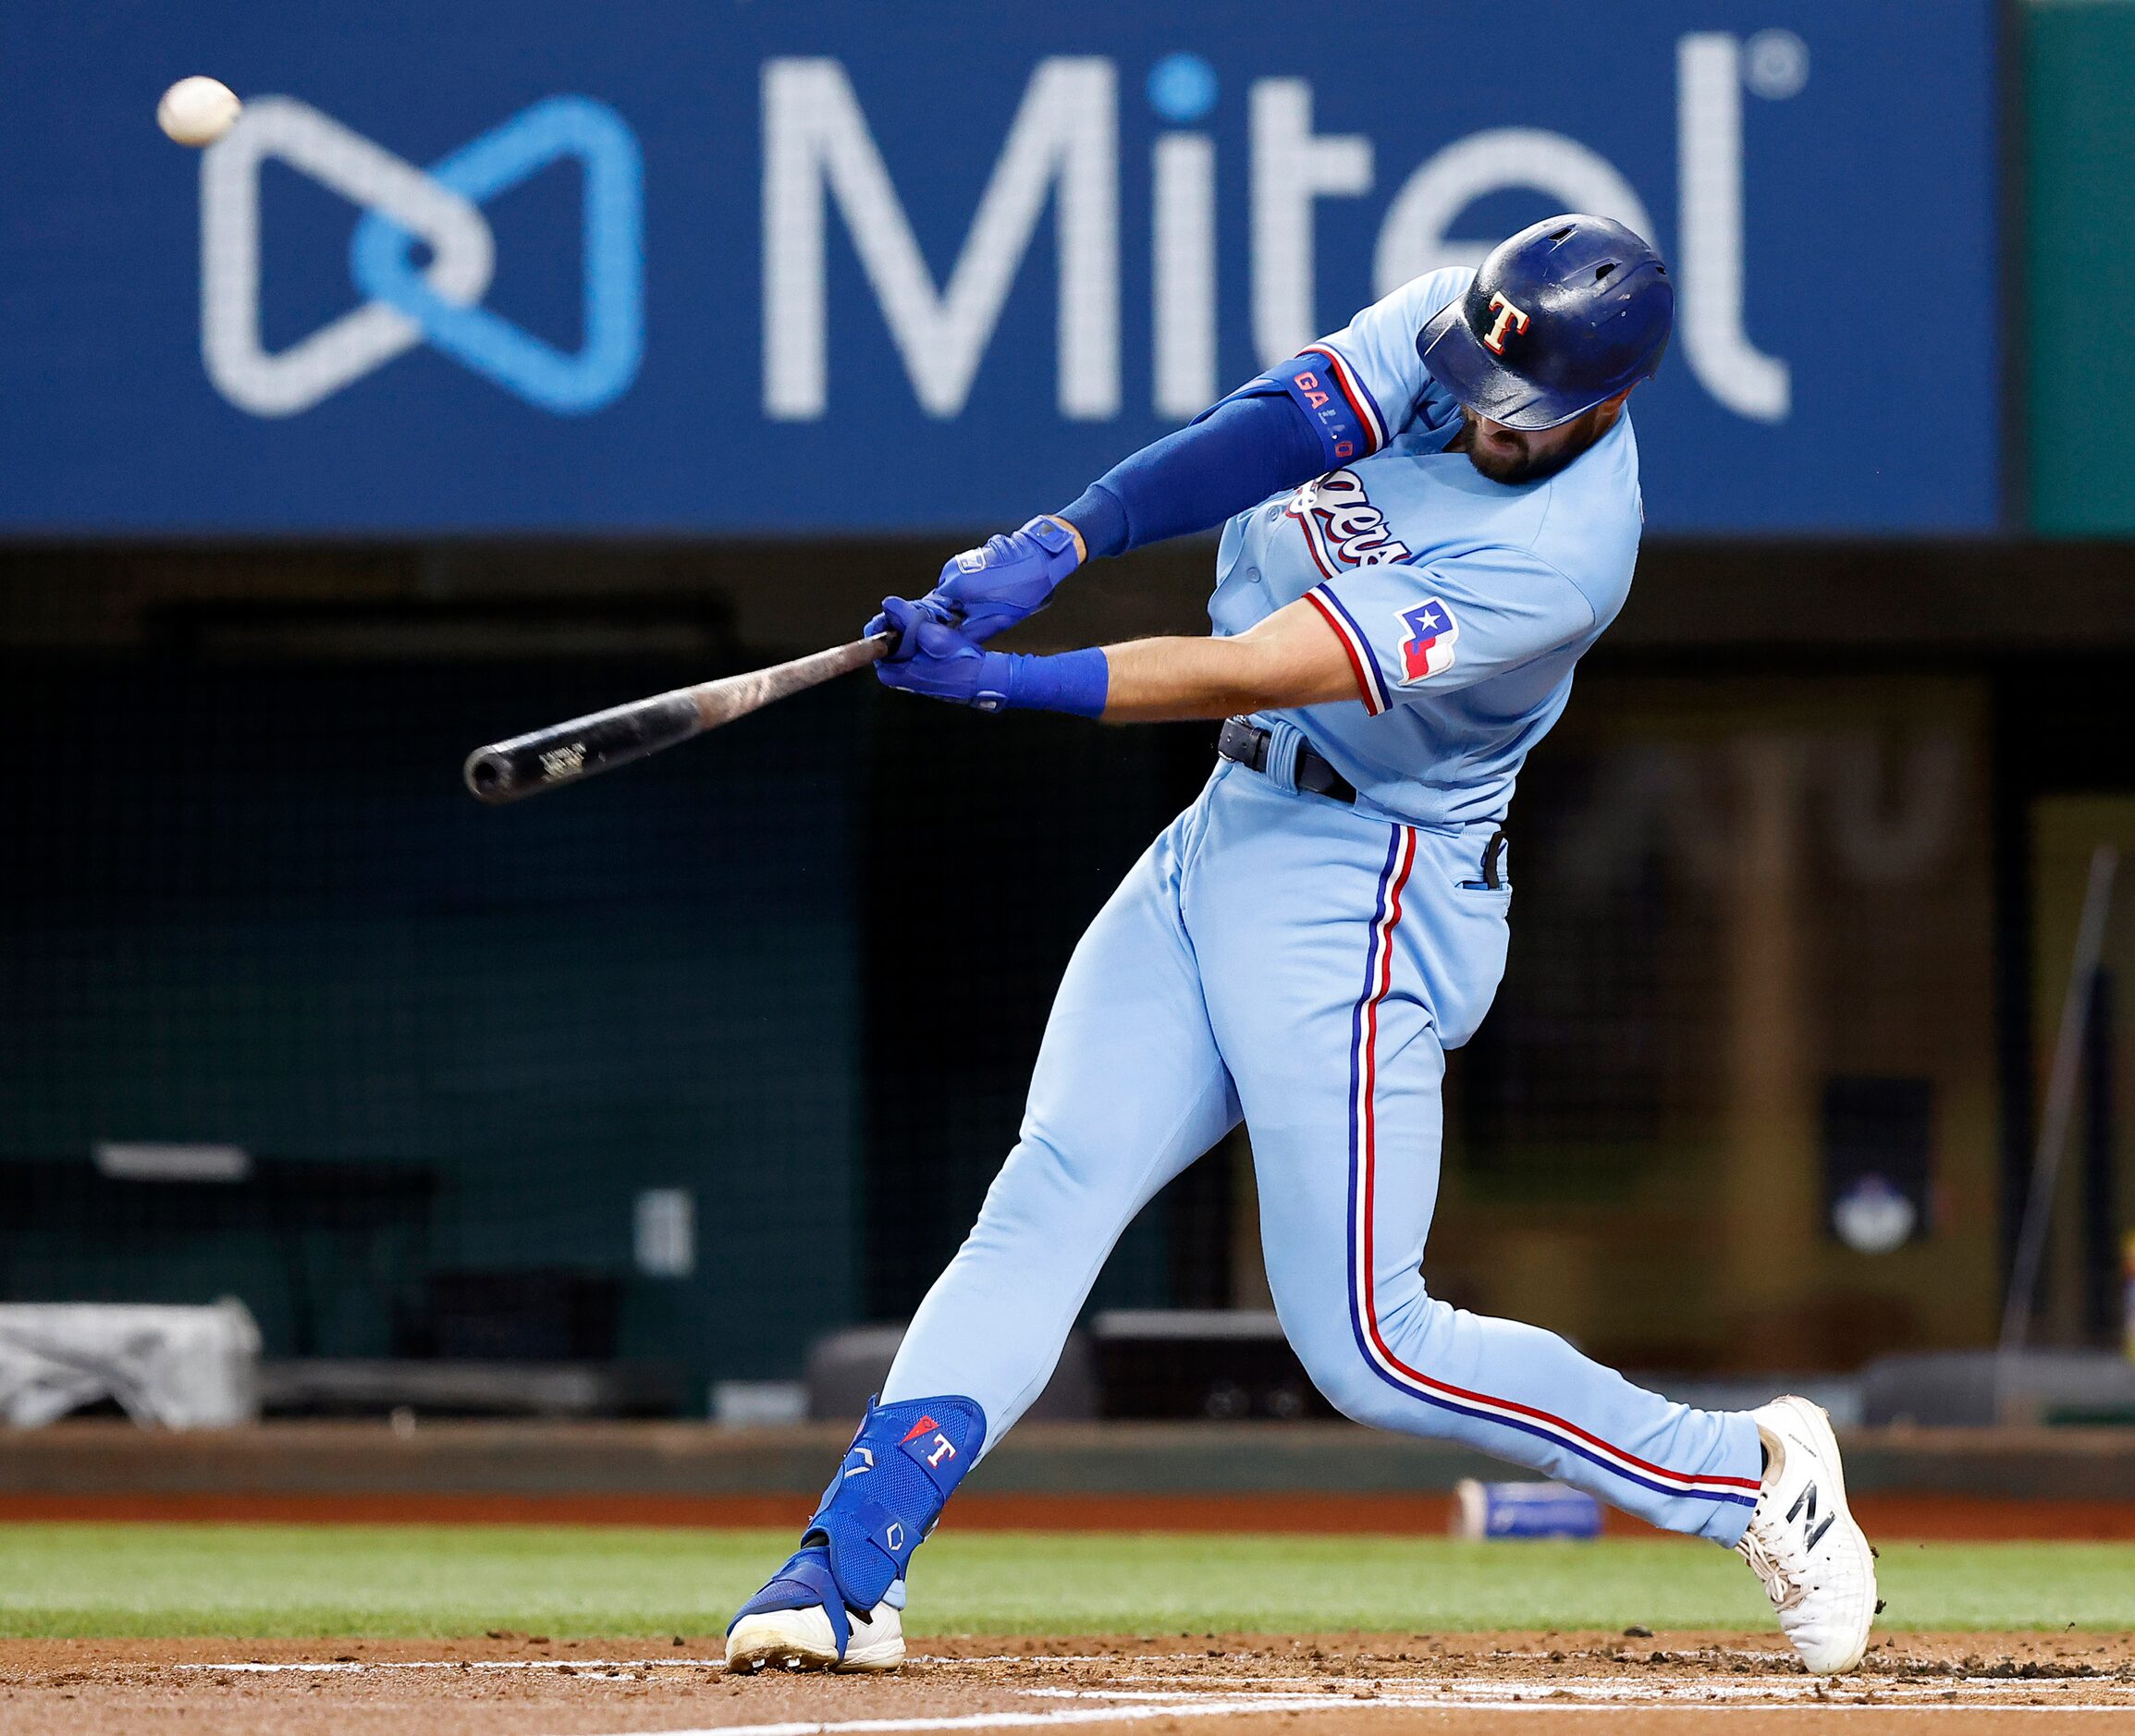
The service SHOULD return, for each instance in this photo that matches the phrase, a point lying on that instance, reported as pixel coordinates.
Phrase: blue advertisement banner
(656, 267)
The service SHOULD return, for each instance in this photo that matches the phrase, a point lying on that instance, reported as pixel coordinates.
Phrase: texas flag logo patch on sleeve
(1427, 649)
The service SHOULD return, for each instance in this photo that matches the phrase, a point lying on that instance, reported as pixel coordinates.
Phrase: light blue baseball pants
(1285, 957)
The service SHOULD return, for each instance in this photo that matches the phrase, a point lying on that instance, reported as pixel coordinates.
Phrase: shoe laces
(1772, 1555)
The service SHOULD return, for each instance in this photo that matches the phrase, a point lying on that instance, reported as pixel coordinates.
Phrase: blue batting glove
(938, 660)
(942, 663)
(986, 591)
(898, 622)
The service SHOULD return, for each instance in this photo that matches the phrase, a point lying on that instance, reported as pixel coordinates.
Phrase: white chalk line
(1289, 1703)
(1604, 1690)
(1173, 1696)
(1272, 1691)
(582, 1664)
(356, 1664)
(348, 1667)
(352, 1666)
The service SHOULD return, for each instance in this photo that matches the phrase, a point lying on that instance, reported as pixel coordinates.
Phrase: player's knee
(1367, 1371)
(1040, 1180)
(1344, 1378)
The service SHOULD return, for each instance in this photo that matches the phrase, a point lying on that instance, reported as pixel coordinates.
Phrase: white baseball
(198, 111)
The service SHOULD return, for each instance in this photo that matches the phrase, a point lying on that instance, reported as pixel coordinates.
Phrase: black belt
(1246, 743)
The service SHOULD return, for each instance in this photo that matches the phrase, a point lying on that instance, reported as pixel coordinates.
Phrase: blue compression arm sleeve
(1242, 451)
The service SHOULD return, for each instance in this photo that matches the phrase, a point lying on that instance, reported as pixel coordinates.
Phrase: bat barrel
(506, 771)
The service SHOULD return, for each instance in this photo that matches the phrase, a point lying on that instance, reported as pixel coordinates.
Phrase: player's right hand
(986, 591)
(941, 661)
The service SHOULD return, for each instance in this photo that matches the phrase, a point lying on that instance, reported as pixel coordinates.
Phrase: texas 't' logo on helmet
(1509, 318)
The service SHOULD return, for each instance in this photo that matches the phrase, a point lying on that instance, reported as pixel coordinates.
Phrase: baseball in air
(198, 111)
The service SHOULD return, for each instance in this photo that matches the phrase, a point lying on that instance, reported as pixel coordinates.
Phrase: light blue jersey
(1305, 963)
(1462, 604)
(1288, 957)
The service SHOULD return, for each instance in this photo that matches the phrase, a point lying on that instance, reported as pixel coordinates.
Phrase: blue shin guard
(896, 1477)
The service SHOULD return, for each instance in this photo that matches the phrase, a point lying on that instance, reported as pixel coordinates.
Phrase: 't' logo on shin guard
(928, 1444)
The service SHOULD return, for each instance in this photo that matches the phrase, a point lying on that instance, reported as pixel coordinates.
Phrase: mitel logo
(439, 303)
(1064, 146)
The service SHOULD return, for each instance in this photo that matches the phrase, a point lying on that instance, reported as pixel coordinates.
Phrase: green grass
(385, 1582)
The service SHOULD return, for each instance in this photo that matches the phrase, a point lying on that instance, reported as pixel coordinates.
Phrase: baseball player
(1432, 514)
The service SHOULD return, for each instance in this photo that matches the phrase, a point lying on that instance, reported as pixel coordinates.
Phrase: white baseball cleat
(1815, 1562)
(803, 1640)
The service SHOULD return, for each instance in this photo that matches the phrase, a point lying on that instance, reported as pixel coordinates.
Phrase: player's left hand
(939, 661)
(986, 591)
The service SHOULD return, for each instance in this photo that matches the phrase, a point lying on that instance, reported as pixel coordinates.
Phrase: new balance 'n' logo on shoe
(1816, 1565)
(1803, 1512)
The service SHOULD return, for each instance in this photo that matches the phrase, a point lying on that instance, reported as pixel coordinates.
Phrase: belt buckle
(1245, 744)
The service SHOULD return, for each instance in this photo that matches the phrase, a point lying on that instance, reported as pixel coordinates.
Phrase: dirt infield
(528, 1685)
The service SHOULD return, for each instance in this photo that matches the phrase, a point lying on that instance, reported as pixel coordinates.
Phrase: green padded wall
(253, 904)
(2077, 319)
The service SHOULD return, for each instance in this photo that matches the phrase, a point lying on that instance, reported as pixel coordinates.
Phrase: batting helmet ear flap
(1560, 317)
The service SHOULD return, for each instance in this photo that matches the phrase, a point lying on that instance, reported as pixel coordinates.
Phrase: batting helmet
(1563, 314)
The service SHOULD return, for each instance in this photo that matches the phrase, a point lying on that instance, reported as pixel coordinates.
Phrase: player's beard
(1512, 456)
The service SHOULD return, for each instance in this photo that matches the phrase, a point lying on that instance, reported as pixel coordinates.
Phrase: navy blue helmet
(1563, 314)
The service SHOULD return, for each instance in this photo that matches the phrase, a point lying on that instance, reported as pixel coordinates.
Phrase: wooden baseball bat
(567, 753)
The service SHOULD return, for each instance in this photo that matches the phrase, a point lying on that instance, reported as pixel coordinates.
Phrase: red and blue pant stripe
(1614, 1465)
